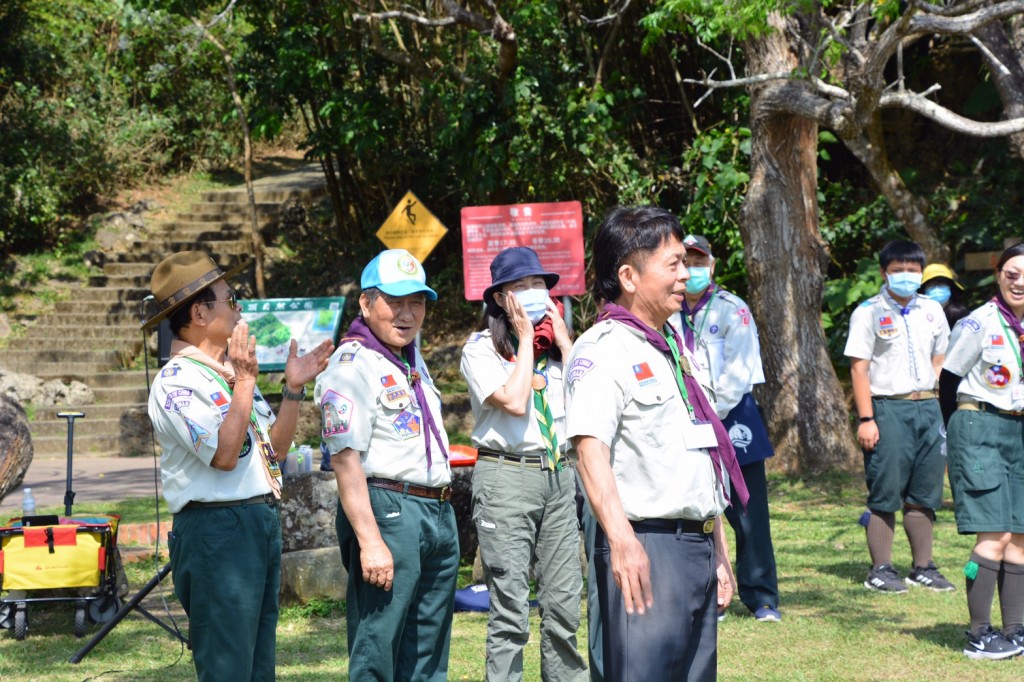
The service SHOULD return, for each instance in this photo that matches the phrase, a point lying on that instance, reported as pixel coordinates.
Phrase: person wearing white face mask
(896, 346)
(524, 490)
(718, 325)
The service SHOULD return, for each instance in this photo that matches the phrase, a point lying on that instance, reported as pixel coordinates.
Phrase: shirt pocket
(652, 407)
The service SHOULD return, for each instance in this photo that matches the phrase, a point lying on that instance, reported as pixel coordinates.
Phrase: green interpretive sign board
(276, 321)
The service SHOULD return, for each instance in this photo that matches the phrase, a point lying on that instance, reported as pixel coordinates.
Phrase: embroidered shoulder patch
(177, 400)
(336, 411)
(970, 324)
(169, 371)
(578, 368)
(196, 432)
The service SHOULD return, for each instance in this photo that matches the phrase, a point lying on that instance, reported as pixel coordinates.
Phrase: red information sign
(554, 231)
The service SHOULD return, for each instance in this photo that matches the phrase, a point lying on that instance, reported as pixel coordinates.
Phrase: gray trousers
(676, 640)
(524, 515)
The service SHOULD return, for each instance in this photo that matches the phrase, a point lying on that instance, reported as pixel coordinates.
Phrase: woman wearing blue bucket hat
(523, 492)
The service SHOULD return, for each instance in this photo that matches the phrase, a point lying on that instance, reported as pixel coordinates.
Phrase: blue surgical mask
(904, 284)
(940, 293)
(699, 280)
(534, 302)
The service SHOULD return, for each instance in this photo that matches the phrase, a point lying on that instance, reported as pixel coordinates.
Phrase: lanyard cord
(678, 367)
(1015, 345)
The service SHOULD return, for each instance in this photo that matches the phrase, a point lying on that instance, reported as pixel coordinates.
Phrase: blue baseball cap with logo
(397, 273)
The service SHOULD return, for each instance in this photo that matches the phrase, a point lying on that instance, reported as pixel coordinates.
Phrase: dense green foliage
(95, 96)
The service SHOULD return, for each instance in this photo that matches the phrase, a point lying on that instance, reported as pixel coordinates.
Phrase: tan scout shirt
(495, 429)
(367, 404)
(982, 353)
(900, 347)
(623, 391)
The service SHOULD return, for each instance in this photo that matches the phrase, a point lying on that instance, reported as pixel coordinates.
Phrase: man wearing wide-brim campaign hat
(221, 444)
(381, 419)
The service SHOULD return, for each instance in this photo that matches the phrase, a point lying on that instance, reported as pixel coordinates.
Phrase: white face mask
(534, 302)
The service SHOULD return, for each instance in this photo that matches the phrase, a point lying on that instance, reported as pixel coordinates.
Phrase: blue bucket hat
(511, 264)
(397, 273)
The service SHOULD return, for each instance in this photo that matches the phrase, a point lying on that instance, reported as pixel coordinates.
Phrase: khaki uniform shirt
(622, 390)
(367, 404)
(726, 331)
(496, 429)
(900, 346)
(187, 406)
(982, 353)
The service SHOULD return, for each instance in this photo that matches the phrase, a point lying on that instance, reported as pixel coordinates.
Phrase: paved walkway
(96, 479)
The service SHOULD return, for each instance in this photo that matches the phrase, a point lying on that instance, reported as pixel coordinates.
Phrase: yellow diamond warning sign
(411, 226)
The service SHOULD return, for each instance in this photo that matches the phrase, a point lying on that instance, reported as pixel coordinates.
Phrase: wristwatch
(863, 420)
(291, 395)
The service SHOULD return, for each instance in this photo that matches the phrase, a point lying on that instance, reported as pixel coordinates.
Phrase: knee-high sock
(918, 524)
(1011, 594)
(881, 529)
(980, 591)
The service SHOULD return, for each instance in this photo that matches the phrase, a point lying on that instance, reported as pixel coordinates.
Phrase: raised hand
(242, 353)
(298, 371)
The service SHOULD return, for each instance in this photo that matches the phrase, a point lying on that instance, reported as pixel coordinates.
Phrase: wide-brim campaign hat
(181, 276)
(396, 272)
(511, 264)
(940, 271)
(698, 242)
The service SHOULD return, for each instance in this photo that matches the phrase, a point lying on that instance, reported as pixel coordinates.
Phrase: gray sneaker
(990, 645)
(884, 578)
(929, 577)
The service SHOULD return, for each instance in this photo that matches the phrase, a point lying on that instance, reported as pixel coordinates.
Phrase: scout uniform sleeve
(964, 347)
(861, 340)
(346, 393)
(594, 399)
(483, 368)
(740, 362)
(193, 411)
(941, 333)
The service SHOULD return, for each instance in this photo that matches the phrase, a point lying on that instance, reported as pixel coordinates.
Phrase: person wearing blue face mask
(897, 344)
(940, 283)
(524, 506)
(717, 326)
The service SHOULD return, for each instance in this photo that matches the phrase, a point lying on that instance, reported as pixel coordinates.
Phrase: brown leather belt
(913, 395)
(442, 494)
(530, 461)
(981, 406)
(706, 526)
(268, 499)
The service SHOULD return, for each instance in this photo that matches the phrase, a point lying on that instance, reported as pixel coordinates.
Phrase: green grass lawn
(833, 628)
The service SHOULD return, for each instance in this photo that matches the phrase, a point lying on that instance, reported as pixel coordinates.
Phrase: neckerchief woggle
(693, 396)
(689, 333)
(360, 332)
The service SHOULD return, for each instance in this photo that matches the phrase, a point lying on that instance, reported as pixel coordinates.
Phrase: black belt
(268, 499)
(442, 494)
(705, 527)
(532, 461)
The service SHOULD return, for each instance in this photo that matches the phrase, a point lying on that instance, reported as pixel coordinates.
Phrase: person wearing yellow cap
(940, 283)
(221, 445)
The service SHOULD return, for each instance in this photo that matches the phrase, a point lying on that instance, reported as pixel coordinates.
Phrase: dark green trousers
(226, 566)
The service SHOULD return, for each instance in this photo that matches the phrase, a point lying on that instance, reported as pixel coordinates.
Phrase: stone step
(262, 195)
(234, 215)
(131, 378)
(84, 446)
(112, 315)
(154, 251)
(99, 426)
(128, 343)
(110, 295)
(64, 370)
(113, 333)
(97, 307)
(45, 355)
(115, 395)
(121, 282)
(128, 270)
(93, 412)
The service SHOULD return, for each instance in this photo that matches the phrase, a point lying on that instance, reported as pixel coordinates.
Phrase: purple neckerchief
(1011, 319)
(724, 454)
(689, 316)
(360, 332)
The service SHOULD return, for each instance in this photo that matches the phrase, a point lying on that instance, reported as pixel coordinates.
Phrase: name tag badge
(697, 436)
(1017, 393)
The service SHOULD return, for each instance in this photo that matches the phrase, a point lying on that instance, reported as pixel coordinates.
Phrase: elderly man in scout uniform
(221, 445)
(717, 324)
(654, 459)
(896, 347)
(389, 450)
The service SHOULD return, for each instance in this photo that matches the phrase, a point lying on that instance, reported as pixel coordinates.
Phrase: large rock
(312, 574)
(136, 436)
(21, 388)
(56, 392)
(308, 504)
(15, 445)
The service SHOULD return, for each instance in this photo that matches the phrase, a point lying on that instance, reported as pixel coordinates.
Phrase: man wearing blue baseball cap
(389, 451)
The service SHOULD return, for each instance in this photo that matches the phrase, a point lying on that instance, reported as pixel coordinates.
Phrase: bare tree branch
(408, 16)
(964, 23)
(949, 119)
(613, 15)
(950, 10)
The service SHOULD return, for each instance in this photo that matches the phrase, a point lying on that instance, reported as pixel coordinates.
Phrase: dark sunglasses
(231, 300)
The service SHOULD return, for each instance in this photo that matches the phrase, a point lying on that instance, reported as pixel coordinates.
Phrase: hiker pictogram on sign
(411, 226)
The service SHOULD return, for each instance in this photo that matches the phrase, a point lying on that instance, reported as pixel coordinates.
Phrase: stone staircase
(95, 337)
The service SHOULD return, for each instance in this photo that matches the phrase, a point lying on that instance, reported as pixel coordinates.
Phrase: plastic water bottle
(306, 463)
(28, 503)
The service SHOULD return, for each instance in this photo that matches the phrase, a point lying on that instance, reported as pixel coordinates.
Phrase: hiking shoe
(990, 645)
(1014, 635)
(767, 614)
(929, 577)
(884, 578)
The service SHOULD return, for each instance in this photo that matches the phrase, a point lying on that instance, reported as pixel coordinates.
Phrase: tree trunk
(15, 445)
(786, 259)
(1005, 60)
